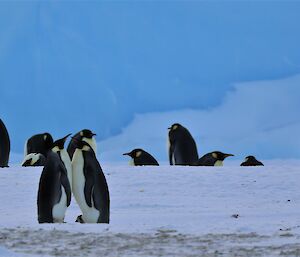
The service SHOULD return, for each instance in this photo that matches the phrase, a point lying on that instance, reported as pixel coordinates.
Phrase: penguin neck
(218, 163)
(91, 142)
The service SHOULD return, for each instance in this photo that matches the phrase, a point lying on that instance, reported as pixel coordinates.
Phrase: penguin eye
(175, 127)
(214, 155)
(138, 154)
(81, 133)
(45, 137)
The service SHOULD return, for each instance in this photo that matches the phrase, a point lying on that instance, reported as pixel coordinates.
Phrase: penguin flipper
(88, 187)
(101, 197)
(66, 184)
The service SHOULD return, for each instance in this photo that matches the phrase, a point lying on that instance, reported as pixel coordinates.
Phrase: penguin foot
(79, 219)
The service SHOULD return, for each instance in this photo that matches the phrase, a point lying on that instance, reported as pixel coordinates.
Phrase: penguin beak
(126, 153)
(169, 128)
(228, 154)
(65, 138)
(93, 134)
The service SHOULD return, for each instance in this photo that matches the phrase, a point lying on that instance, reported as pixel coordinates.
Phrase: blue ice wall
(70, 65)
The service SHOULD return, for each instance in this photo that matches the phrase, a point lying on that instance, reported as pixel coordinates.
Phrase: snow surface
(165, 211)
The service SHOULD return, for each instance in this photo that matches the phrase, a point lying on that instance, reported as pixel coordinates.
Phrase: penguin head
(250, 158)
(48, 140)
(86, 133)
(135, 153)
(32, 158)
(59, 144)
(177, 131)
(82, 145)
(220, 156)
(175, 126)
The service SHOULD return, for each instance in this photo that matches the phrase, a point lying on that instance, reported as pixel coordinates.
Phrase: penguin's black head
(250, 158)
(82, 145)
(135, 153)
(48, 140)
(220, 156)
(86, 133)
(60, 143)
(175, 126)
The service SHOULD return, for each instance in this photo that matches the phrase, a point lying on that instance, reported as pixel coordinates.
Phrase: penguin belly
(59, 209)
(89, 214)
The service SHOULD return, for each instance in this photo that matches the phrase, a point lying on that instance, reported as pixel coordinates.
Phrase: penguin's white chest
(218, 163)
(131, 162)
(59, 209)
(89, 214)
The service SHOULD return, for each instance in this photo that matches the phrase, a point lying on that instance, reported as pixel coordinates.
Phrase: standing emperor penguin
(39, 143)
(59, 148)
(90, 188)
(4, 145)
(54, 194)
(141, 158)
(182, 146)
(83, 135)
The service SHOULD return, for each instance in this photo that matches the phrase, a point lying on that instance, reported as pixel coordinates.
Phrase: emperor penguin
(90, 188)
(39, 143)
(54, 193)
(34, 159)
(141, 157)
(84, 135)
(215, 158)
(59, 148)
(182, 146)
(4, 145)
(251, 161)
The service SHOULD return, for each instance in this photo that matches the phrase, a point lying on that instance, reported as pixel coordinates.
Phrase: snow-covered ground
(164, 211)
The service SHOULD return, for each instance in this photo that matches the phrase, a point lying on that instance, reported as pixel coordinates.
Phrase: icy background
(127, 68)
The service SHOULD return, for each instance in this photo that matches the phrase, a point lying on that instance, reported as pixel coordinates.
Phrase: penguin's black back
(38, 144)
(96, 188)
(206, 160)
(145, 159)
(251, 162)
(183, 147)
(53, 176)
(4, 145)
